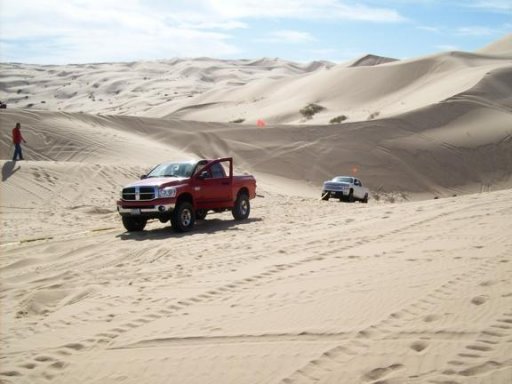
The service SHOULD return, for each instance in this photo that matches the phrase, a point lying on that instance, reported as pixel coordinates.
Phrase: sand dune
(305, 291)
(461, 145)
(401, 293)
(501, 47)
(275, 90)
(360, 93)
(135, 88)
(370, 60)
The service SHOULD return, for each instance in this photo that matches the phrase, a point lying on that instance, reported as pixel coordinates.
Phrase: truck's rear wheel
(242, 207)
(365, 199)
(183, 217)
(134, 224)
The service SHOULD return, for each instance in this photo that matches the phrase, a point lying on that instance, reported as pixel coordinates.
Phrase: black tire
(134, 224)
(242, 207)
(325, 196)
(350, 197)
(201, 214)
(183, 217)
(365, 199)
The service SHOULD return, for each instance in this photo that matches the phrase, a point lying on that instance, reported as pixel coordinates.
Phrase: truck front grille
(334, 186)
(139, 193)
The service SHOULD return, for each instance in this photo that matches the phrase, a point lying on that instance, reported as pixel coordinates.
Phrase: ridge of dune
(132, 88)
(460, 145)
(417, 116)
(205, 89)
(502, 46)
(359, 93)
(370, 60)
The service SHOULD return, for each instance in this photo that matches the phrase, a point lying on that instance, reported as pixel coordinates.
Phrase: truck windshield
(343, 179)
(173, 170)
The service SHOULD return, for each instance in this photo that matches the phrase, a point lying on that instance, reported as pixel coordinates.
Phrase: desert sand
(413, 287)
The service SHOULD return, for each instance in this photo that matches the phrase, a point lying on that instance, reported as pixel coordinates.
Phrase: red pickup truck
(185, 191)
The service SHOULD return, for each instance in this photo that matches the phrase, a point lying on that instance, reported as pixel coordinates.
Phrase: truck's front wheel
(242, 207)
(183, 217)
(134, 224)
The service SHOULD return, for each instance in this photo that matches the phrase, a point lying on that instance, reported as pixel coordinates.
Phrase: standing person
(17, 139)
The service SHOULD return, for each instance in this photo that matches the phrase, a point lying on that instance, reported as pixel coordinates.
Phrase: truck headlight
(167, 192)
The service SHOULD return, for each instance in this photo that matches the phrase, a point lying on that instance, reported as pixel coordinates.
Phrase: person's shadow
(8, 170)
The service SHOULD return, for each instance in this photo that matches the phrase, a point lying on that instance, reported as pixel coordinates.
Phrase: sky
(92, 31)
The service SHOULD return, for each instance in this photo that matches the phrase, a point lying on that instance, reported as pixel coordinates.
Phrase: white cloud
(493, 5)
(287, 36)
(55, 31)
(471, 30)
(88, 31)
(222, 25)
(485, 5)
(302, 9)
(475, 31)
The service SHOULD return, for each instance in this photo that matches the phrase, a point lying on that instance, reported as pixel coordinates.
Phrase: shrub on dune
(310, 110)
(338, 119)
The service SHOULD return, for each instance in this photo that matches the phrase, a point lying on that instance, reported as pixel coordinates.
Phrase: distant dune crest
(275, 90)
(502, 46)
(370, 60)
(453, 108)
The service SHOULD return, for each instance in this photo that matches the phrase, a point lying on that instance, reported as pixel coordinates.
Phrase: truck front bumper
(337, 194)
(155, 210)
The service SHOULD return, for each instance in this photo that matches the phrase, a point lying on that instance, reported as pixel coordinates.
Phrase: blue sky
(85, 31)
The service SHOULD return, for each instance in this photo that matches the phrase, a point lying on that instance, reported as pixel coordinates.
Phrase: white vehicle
(345, 188)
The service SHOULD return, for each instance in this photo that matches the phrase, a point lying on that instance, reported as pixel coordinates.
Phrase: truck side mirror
(203, 175)
(142, 177)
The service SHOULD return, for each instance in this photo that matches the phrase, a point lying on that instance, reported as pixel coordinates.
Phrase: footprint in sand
(419, 345)
(10, 373)
(430, 318)
(58, 365)
(481, 369)
(378, 373)
(75, 346)
(43, 358)
(479, 300)
(480, 348)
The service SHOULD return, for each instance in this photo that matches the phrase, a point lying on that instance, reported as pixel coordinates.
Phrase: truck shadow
(208, 226)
